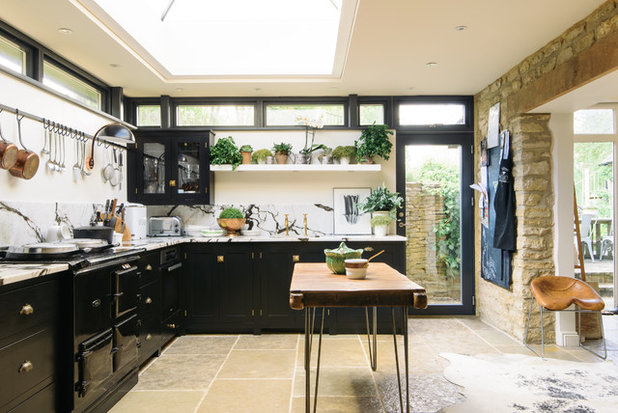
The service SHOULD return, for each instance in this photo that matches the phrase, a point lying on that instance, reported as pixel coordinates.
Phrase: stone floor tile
(346, 353)
(495, 337)
(158, 401)
(180, 372)
(340, 404)
(267, 341)
(353, 381)
(474, 323)
(255, 396)
(272, 364)
(201, 344)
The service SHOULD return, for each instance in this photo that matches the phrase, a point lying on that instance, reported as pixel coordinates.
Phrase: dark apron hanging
(504, 201)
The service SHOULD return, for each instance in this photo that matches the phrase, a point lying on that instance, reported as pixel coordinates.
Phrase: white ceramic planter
(380, 230)
(344, 161)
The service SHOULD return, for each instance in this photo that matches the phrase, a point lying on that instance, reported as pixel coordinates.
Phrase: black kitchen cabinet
(170, 166)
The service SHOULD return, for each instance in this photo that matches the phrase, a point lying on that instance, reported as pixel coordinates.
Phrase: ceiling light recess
(431, 64)
(65, 30)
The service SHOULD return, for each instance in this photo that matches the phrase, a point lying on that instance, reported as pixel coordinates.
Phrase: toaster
(164, 227)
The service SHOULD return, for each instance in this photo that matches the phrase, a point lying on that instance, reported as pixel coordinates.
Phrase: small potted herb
(327, 155)
(381, 202)
(246, 151)
(282, 151)
(231, 220)
(373, 141)
(380, 225)
(344, 154)
(225, 152)
(260, 156)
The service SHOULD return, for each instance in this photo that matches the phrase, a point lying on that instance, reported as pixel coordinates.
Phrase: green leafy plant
(246, 148)
(381, 199)
(380, 220)
(374, 141)
(231, 213)
(260, 155)
(310, 150)
(225, 152)
(344, 152)
(282, 148)
(326, 150)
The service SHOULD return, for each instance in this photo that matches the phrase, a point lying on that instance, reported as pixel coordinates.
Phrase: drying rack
(60, 128)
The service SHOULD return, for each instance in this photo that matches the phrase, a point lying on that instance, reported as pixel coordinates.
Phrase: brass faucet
(287, 228)
(305, 222)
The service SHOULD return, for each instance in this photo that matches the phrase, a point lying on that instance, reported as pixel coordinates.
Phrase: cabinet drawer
(149, 268)
(26, 307)
(43, 401)
(26, 363)
(149, 303)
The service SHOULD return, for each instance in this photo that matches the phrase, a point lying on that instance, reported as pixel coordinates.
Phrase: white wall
(45, 185)
(293, 188)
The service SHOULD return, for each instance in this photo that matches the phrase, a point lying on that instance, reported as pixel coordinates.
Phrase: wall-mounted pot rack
(63, 129)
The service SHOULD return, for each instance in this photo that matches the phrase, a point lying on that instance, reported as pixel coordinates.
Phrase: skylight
(232, 37)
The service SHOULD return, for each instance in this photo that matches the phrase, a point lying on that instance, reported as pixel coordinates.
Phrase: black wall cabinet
(170, 166)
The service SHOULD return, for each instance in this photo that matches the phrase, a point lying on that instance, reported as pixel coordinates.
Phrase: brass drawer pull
(171, 326)
(25, 367)
(148, 300)
(368, 249)
(295, 258)
(148, 267)
(148, 337)
(220, 258)
(26, 310)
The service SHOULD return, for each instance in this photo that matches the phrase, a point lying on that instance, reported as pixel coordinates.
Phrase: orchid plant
(310, 127)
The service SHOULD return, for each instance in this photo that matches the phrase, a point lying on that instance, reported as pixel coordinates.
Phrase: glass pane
(188, 167)
(154, 168)
(594, 183)
(432, 114)
(215, 115)
(289, 115)
(593, 121)
(433, 247)
(149, 115)
(12, 56)
(371, 113)
(69, 85)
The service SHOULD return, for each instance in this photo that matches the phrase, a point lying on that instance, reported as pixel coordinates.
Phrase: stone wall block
(533, 212)
(564, 55)
(574, 32)
(532, 243)
(606, 27)
(548, 65)
(583, 43)
(531, 184)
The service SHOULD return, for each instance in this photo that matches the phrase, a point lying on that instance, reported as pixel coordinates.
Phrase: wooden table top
(314, 285)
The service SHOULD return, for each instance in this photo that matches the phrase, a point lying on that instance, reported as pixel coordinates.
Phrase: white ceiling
(392, 41)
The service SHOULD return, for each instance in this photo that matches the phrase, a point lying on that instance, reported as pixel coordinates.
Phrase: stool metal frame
(579, 312)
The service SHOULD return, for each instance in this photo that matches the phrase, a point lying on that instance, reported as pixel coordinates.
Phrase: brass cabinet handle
(295, 258)
(171, 325)
(220, 258)
(25, 367)
(368, 249)
(148, 300)
(148, 337)
(26, 310)
(172, 182)
(148, 267)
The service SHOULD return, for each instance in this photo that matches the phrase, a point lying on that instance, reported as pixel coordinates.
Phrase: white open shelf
(298, 168)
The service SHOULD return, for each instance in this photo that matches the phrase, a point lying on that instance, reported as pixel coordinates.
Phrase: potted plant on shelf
(225, 152)
(373, 141)
(246, 151)
(344, 154)
(260, 156)
(327, 155)
(311, 125)
(231, 220)
(282, 151)
(380, 225)
(381, 202)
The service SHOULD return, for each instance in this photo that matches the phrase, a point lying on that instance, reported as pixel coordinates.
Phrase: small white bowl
(356, 268)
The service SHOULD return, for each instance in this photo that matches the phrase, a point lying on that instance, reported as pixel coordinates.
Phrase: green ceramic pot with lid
(335, 258)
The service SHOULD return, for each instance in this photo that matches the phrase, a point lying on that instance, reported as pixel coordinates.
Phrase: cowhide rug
(517, 383)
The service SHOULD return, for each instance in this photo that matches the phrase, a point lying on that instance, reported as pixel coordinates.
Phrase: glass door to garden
(434, 174)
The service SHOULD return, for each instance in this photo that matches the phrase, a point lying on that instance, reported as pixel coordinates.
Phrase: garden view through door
(433, 220)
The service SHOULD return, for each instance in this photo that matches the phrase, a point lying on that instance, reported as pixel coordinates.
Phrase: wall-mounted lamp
(113, 132)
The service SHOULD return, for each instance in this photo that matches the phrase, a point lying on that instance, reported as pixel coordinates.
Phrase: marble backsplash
(28, 222)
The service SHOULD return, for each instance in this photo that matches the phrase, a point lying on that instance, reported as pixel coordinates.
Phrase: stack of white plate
(211, 233)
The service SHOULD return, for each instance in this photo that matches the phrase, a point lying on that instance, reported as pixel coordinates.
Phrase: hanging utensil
(27, 162)
(108, 169)
(76, 168)
(84, 171)
(120, 168)
(115, 178)
(46, 125)
(50, 163)
(63, 149)
(8, 153)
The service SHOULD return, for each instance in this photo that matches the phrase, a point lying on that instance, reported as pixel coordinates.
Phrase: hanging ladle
(27, 161)
(8, 152)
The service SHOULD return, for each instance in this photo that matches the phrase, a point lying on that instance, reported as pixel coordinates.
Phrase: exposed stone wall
(561, 65)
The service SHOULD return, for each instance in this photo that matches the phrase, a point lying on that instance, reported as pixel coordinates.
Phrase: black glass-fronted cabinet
(171, 166)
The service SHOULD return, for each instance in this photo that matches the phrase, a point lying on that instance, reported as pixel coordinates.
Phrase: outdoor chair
(556, 293)
(607, 245)
(586, 233)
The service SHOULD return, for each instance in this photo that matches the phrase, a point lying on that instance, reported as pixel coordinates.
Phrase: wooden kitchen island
(314, 286)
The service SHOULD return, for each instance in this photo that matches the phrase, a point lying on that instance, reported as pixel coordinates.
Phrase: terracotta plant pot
(246, 158)
(281, 157)
(231, 225)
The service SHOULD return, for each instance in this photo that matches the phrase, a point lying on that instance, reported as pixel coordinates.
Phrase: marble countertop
(11, 273)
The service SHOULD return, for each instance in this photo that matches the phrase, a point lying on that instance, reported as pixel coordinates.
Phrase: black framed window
(299, 113)
(441, 113)
(223, 114)
(63, 81)
(148, 115)
(370, 113)
(13, 56)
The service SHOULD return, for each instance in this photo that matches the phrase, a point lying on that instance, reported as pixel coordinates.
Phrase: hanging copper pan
(8, 153)
(27, 161)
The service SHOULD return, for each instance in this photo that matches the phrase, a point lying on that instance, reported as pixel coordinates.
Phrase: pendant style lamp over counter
(112, 132)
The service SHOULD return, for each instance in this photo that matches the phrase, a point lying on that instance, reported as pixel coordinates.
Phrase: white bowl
(356, 268)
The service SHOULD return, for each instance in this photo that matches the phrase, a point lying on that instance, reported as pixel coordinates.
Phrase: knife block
(126, 232)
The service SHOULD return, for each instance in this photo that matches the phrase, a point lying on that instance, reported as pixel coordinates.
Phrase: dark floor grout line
(482, 338)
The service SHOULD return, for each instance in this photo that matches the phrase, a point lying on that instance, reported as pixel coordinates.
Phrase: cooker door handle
(174, 267)
(120, 294)
(128, 270)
